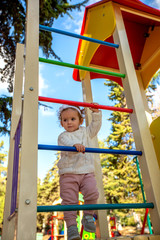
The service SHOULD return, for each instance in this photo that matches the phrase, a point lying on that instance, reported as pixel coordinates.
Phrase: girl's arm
(96, 123)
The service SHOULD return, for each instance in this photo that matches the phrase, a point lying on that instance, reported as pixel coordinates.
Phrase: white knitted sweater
(74, 162)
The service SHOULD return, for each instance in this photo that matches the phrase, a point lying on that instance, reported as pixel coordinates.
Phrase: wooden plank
(27, 207)
(141, 237)
(154, 237)
(102, 230)
(9, 226)
(138, 12)
(141, 132)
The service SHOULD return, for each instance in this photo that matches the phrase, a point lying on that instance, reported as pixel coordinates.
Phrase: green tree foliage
(150, 93)
(121, 182)
(12, 25)
(48, 192)
(3, 173)
(5, 114)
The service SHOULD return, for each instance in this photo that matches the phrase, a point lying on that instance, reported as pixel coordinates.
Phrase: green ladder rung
(61, 208)
(69, 65)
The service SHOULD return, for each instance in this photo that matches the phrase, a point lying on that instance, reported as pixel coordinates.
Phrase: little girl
(76, 169)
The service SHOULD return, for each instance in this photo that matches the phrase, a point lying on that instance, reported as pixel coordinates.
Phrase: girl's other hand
(79, 147)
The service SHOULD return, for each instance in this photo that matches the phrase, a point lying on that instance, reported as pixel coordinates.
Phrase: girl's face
(70, 120)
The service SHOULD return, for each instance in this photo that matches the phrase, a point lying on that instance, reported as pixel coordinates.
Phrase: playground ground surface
(126, 231)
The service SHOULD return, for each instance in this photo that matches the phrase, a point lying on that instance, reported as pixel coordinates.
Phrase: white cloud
(68, 26)
(42, 85)
(153, 3)
(74, 25)
(1, 62)
(78, 22)
(93, 1)
(3, 89)
(3, 85)
(156, 97)
(42, 82)
(46, 111)
(156, 3)
(78, 26)
(79, 18)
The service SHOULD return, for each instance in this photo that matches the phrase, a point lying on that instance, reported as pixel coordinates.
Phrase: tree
(5, 114)
(12, 25)
(121, 182)
(48, 192)
(3, 173)
(151, 93)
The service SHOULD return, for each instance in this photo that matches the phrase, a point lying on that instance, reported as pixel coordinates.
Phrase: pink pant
(70, 186)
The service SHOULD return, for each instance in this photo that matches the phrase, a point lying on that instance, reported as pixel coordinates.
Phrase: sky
(57, 82)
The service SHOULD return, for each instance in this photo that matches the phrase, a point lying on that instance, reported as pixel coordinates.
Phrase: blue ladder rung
(49, 29)
(91, 150)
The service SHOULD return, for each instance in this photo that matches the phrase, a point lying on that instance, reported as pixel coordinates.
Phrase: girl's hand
(79, 147)
(94, 109)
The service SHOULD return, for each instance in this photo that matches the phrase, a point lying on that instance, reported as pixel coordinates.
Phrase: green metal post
(142, 189)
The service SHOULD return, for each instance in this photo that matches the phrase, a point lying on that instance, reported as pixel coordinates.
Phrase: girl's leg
(69, 191)
(89, 190)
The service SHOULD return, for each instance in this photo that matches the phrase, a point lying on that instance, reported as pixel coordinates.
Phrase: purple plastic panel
(15, 169)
